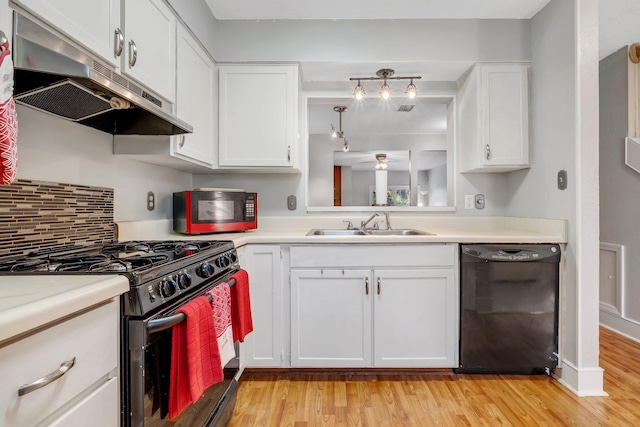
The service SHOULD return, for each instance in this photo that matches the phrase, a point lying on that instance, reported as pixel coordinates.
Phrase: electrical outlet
(151, 201)
(479, 201)
(291, 203)
(468, 201)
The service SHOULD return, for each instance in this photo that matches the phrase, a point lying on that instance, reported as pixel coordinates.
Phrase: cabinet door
(330, 318)
(504, 110)
(415, 318)
(99, 409)
(90, 23)
(264, 346)
(150, 45)
(196, 101)
(258, 115)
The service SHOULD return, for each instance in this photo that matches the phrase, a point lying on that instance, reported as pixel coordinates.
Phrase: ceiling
(375, 9)
(619, 20)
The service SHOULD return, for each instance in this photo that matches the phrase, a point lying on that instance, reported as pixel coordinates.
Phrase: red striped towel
(8, 119)
(241, 306)
(195, 359)
(221, 305)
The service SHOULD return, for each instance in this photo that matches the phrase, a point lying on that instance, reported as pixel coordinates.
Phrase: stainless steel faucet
(363, 224)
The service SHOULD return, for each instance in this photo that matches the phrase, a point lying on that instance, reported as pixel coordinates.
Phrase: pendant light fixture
(381, 180)
(385, 74)
(338, 133)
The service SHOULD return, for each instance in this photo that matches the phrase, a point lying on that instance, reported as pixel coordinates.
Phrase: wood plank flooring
(442, 398)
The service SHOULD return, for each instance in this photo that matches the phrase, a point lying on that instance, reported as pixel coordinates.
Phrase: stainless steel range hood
(53, 76)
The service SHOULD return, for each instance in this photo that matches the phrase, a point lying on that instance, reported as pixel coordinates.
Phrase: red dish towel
(241, 306)
(195, 359)
(221, 305)
(8, 119)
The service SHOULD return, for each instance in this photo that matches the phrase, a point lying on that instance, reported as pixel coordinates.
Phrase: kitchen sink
(374, 232)
(399, 232)
(335, 232)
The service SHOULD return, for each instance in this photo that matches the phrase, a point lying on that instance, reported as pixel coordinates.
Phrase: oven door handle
(167, 322)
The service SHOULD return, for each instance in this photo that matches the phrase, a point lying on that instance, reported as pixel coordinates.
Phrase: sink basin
(334, 232)
(399, 232)
(342, 232)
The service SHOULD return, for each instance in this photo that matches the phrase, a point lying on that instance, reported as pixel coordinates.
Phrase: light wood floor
(446, 399)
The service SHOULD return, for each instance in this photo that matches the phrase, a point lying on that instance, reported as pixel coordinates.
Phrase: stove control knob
(168, 287)
(233, 257)
(205, 270)
(222, 261)
(184, 280)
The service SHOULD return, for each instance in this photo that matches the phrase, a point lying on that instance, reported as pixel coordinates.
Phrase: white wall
(619, 190)
(564, 136)
(56, 150)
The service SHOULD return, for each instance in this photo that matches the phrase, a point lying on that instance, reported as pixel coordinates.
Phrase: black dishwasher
(509, 308)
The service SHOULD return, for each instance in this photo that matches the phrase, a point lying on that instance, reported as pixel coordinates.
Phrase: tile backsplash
(36, 215)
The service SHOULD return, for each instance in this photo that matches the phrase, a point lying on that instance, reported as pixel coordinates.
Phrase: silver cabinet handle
(133, 53)
(487, 151)
(379, 285)
(182, 140)
(48, 379)
(366, 286)
(118, 42)
(288, 153)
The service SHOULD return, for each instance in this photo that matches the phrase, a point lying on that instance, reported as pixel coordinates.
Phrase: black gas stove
(159, 272)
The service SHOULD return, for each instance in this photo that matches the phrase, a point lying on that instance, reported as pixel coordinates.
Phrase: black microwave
(214, 210)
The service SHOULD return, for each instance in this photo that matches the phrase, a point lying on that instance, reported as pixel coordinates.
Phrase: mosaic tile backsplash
(36, 215)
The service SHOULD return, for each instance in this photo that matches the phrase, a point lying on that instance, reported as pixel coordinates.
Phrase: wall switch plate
(291, 203)
(468, 201)
(562, 180)
(151, 201)
(479, 201)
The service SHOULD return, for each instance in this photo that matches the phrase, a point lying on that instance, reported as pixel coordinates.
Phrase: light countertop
(29, 302)
(284, 230)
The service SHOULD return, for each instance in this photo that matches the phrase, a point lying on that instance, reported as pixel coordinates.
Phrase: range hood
(54, 76)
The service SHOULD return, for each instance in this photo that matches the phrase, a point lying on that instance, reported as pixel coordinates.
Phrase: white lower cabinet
(264, 347)
(402, 315)
(331, 318)
(86, 394)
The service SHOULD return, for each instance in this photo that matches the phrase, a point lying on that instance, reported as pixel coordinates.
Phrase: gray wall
(619, 184)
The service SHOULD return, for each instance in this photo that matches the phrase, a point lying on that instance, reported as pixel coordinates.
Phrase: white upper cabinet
(196, 101)
(149, 53)
(140, 42)
(93, 24)
(258, 114)
(493, 102)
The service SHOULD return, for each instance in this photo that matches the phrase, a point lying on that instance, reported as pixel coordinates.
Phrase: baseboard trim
(581, 381)
(625, 327)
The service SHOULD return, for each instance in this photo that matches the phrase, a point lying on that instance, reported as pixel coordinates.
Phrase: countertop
(29, 302)
(284, 230)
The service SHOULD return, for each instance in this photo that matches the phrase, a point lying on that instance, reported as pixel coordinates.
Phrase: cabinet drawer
(419, 255)
(99, 409)
(92, 338)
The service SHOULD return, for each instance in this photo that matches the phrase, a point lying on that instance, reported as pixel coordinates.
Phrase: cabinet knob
(118, 42)
(487, 152)
(133, 53)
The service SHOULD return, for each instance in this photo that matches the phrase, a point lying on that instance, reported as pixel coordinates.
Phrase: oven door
(146, 375)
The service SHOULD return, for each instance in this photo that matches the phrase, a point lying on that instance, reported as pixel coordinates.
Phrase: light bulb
(385, 90)
(345, 146)
(334, 132)
(411, 90)
(359, 91)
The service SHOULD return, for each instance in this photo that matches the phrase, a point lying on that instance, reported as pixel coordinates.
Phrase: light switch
(468, 201)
